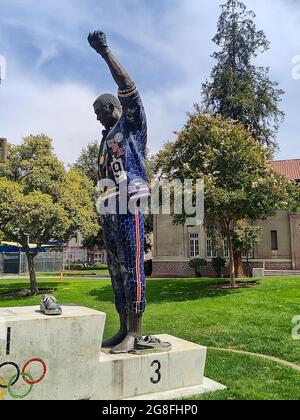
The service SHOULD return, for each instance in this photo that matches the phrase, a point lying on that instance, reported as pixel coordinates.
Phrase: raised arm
(98, 42)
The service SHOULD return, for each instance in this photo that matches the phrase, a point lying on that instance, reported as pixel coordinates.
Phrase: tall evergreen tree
(238, 89)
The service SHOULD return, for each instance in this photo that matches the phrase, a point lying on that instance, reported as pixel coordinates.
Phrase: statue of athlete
(122, 159)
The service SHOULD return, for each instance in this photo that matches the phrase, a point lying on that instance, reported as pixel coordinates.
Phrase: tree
(149, 217)
(94, 241)
(88, 161)
(148, 232)
(239, 180)
(39, 198)
(238, 89)
(245, 237)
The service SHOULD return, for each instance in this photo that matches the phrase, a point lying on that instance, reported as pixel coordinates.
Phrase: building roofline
(286, 160)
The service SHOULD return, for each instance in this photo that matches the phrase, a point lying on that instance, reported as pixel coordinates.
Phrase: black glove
(98, 42)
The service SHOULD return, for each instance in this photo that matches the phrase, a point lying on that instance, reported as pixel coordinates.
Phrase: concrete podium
(60, 358)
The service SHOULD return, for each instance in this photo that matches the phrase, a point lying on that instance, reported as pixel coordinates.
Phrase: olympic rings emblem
(28, 379)
(2, 390)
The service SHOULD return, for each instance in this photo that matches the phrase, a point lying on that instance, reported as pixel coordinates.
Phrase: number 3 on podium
(157, 364)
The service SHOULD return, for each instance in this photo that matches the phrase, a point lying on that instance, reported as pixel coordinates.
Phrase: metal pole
(20, 268)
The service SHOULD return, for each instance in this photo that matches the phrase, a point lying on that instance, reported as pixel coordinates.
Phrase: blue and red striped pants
(124, 239)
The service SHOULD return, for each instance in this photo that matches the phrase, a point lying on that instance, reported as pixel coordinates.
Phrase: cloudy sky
(53, 77)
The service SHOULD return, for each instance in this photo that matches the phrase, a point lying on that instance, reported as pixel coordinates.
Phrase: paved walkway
(263, 356)
(98, 276)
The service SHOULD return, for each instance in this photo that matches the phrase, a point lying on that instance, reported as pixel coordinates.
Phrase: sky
(53, 76)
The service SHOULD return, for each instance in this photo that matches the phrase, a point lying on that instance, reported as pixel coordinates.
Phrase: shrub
(75, 267)
(219, 264)
(197, 264)
(148, 267)
(100, 266)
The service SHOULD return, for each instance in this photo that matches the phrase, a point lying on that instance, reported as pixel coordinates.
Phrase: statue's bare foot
(126, 346)
(120, 336)
(115, 340)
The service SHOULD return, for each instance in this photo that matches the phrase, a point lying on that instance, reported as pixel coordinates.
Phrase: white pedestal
(68, 347)
(68, 344)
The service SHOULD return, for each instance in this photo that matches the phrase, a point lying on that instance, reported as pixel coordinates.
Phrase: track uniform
(122, 159)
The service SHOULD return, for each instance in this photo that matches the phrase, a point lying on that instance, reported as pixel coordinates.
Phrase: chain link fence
(16, 262)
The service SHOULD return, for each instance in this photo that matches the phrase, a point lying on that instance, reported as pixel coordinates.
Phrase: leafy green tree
(88, 161)
(238, 89)
(148, 232)
(40, 199)
(245, 236)
(94, 241)
(239, 180)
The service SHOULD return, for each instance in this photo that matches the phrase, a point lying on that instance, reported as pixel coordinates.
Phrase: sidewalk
(74, 276)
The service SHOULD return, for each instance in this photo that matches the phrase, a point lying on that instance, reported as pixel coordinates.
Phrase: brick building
(279, 248)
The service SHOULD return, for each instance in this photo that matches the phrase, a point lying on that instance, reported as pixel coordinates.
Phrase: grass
(255, 319)
(250, 378)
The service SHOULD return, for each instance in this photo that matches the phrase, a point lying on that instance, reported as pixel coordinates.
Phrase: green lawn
(256, 320)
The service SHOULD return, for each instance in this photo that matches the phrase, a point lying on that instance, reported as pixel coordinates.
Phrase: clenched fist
(98, 42)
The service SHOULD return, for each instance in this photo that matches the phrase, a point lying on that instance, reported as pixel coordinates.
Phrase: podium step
(178, 373)
(60, 358)
(207, 386)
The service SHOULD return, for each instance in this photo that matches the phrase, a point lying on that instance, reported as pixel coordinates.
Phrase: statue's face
(108, 115)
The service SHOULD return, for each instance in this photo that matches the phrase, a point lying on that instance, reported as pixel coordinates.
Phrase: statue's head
(108, 110)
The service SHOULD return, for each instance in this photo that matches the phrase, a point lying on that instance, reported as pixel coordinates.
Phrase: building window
(226, 248)
(245, 254)
(274, 240)
(210, 251)
(194, 245)
(248, 254)
(98, 257)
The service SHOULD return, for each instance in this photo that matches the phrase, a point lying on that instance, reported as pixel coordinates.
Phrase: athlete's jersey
(123, 148)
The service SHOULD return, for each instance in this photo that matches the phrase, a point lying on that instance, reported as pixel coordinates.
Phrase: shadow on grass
(159, 291)
(17, 287)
